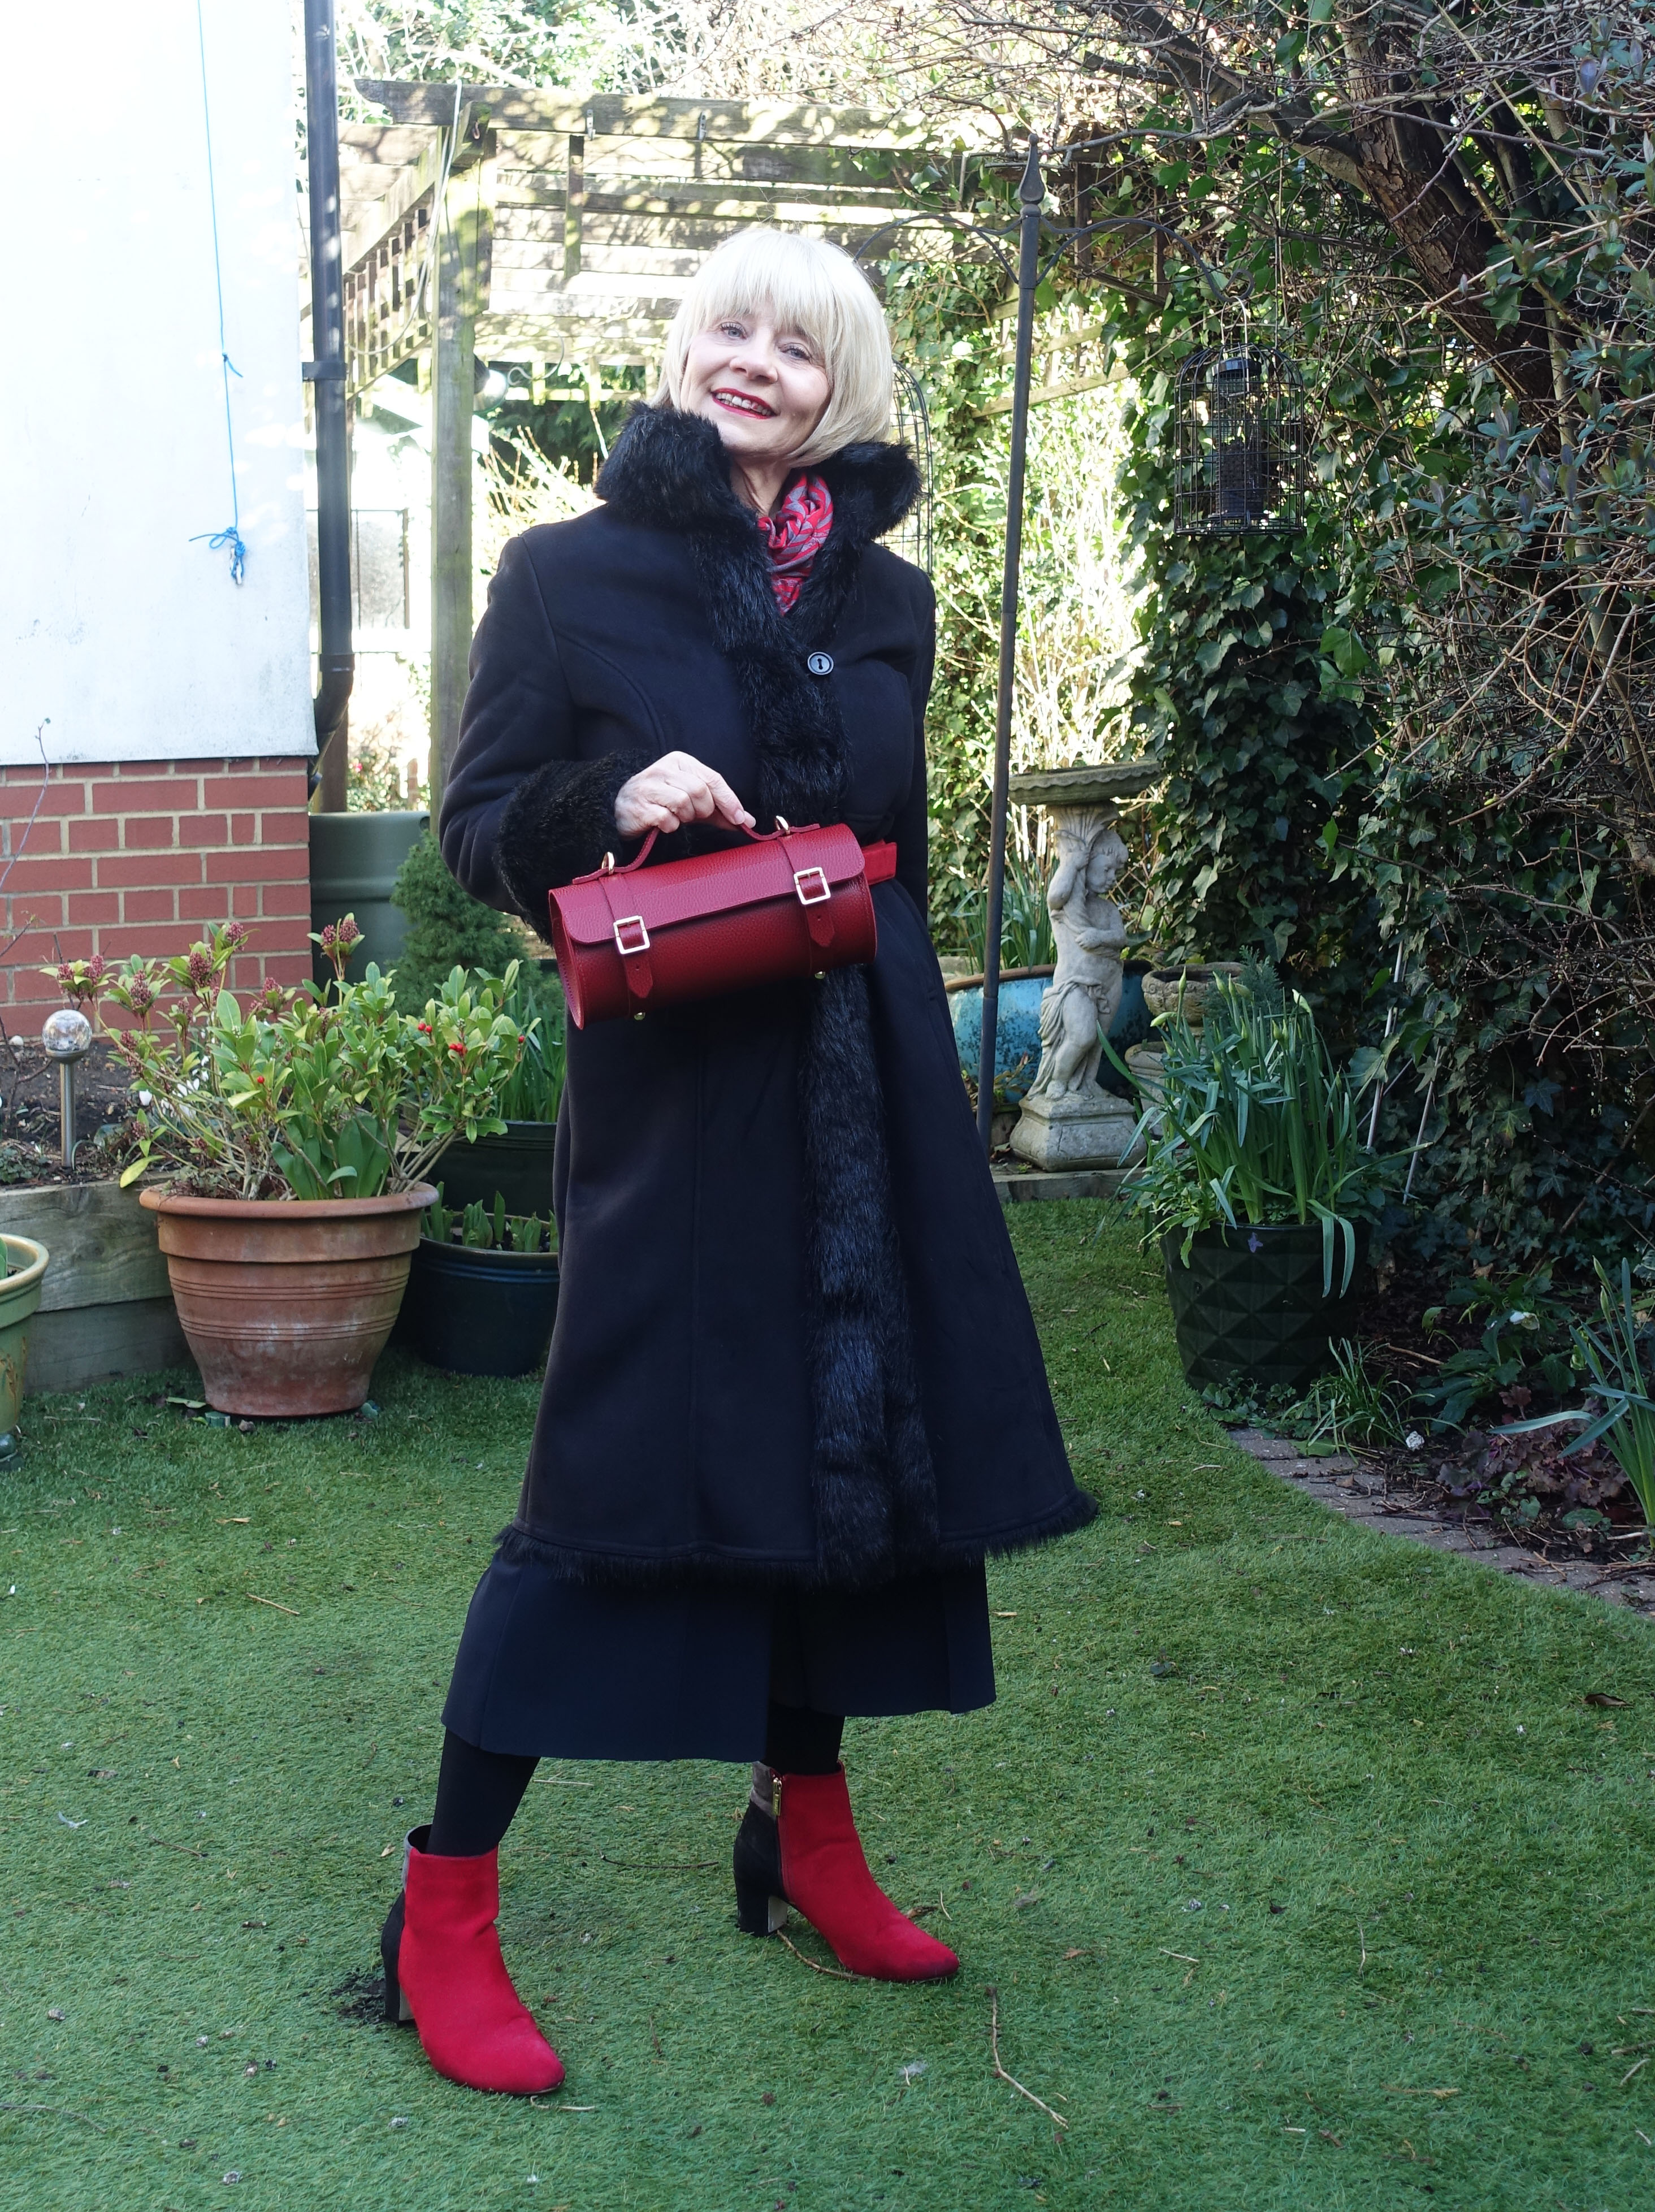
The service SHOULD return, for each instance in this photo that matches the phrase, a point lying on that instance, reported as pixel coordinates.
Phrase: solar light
(67, 1039)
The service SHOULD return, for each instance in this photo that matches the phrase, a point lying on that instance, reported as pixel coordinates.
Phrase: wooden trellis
(568, 232)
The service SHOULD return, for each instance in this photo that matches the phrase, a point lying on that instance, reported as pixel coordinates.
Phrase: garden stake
(1379, 1088)
(1031, 193)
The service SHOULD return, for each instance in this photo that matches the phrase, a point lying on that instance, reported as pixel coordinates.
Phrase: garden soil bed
(30, 1140)
(1432, 1493)
(1360, 1489)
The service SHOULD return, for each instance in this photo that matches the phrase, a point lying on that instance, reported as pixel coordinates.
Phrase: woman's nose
(751, 360)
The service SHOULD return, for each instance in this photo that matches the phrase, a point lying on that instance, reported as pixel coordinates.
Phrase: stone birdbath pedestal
(1068, 1120)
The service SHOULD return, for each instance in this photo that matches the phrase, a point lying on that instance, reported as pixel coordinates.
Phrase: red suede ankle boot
(810, 1856)
(444, 1972)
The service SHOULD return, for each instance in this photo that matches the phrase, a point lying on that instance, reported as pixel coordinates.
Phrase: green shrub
(447, 928)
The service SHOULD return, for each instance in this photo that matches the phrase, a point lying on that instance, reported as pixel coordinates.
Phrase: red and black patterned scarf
(795, 534)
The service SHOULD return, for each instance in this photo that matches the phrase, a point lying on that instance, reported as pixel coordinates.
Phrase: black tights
(479, 1791)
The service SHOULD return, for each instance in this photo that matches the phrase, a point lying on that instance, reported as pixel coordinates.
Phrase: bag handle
(783, 830)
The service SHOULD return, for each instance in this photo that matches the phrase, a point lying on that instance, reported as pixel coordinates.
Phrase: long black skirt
(556, 1669)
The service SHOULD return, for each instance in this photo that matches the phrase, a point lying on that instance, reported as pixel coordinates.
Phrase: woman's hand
(672, 793)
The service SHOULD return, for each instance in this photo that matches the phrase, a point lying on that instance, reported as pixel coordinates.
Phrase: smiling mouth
(743, 403)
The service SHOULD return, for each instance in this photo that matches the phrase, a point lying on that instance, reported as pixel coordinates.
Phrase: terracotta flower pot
(286, 1304)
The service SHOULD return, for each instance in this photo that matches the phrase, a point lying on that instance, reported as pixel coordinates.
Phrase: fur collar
(668, 470)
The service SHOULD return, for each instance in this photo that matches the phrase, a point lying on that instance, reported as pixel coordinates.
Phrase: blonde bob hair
(805, 285)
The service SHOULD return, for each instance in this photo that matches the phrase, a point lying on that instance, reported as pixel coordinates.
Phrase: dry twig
(271, 1602)
(838, 1973)
(62, 2112)
(1056, 2119)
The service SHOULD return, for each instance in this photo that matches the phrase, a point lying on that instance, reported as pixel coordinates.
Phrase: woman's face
(765, 388)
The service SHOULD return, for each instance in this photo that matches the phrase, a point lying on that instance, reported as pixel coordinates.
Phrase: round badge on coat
(820, 664)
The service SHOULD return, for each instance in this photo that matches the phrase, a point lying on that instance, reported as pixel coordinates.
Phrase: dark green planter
(519, 1164)
(480, 1313)
(353, 860)
(1250, 1303)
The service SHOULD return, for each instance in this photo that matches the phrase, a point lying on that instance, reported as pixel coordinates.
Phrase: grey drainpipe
(327, 373)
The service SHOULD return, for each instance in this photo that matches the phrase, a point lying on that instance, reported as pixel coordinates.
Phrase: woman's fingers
(727, 807)
(674, 791)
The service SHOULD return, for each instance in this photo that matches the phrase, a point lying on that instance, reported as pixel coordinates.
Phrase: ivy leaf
(1345, 649)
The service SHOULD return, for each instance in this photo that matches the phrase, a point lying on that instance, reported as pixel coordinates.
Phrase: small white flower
(1520, 1318)
(1413, 1440)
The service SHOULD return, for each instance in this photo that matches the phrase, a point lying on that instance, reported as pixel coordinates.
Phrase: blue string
(217, 540)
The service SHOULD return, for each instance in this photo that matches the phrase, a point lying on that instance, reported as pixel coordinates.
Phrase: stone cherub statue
(1081, 1001)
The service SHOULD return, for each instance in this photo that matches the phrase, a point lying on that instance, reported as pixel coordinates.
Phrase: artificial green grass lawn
(1390, 1747)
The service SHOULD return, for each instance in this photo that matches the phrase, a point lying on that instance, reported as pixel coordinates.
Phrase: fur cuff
(558, 825)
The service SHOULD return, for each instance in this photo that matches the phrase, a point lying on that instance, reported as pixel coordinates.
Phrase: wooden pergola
(529, 227)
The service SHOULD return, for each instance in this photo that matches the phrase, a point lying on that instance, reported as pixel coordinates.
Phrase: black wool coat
(792, 1344)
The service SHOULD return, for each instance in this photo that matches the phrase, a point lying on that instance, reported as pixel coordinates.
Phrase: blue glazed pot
(1016, 1035)
(1131, 1026)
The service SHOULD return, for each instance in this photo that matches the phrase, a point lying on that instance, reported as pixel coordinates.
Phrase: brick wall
(135, 856)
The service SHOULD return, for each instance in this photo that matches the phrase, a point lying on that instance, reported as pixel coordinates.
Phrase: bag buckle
(820, 890)
(631, 922)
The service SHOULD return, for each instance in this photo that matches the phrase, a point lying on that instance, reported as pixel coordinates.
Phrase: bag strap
(779, 835)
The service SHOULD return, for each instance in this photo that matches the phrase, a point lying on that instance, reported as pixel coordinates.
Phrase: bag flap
(712, 882)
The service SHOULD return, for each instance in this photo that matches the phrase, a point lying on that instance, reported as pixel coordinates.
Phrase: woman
(795, 1395)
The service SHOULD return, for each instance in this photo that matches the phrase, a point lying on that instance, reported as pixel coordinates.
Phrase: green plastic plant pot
(473, 1312)
(20, 1299)
(354, 861)
(1249, 1305)
(517, 1165)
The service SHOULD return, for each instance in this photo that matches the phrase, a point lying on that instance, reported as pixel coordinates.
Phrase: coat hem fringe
(519, 1547)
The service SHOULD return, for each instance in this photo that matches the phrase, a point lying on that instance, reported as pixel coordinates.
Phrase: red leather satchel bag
(795, 902)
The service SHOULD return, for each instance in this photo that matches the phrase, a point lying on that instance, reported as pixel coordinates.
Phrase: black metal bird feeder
(1241, 442)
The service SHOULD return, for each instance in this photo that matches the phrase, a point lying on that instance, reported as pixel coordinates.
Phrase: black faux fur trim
(558, 825)
(669, 471)
(873, 1484)
(571, 1563)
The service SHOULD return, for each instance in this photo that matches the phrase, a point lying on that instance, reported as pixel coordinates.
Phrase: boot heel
(398, 2012)
(761, 1908)
(759, 1911)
